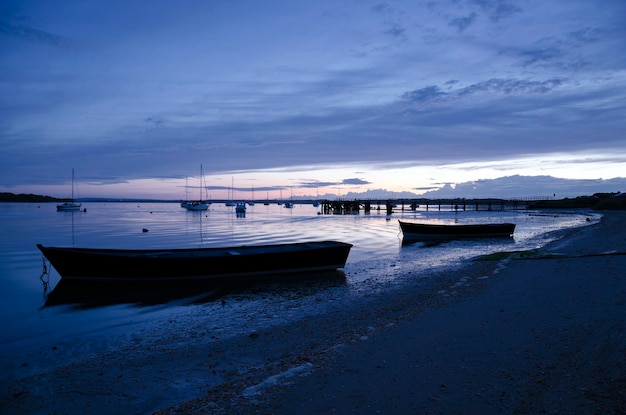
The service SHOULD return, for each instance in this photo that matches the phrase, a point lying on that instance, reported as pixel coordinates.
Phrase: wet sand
(546, 335)
(541, 333)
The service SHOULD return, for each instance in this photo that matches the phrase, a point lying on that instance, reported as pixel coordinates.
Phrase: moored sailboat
(200, 204)
(231, 194)
(72, 205)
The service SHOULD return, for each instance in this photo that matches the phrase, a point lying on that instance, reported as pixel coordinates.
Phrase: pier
(389, 206)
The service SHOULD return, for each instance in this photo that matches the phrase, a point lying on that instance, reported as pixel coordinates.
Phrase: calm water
(377, 262)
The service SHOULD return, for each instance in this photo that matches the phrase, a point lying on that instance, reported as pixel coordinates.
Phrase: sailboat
(185, 202)
(251, 202)
(230, 201)
(289, 204)
(198, 204)
(316, 202)
(71, 205)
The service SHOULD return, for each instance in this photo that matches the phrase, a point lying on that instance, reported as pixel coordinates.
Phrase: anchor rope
(45, 277)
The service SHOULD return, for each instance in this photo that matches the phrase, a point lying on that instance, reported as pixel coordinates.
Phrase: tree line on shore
(29, 198)
(599, 201)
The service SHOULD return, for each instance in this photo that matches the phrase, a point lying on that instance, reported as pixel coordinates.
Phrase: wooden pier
(389, 206)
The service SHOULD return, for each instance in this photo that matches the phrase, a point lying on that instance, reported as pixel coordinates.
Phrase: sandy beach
(541, 332)
(545, 335)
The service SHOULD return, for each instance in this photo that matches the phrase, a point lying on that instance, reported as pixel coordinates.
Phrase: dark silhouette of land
(598, 201)
(27, 198)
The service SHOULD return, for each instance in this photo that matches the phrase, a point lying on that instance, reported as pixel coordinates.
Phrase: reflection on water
(45, 277)
(429, 242)
(90, 294)
(377, 262)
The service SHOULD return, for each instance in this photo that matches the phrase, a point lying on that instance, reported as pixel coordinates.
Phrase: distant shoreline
(27, 198)
(597, 201)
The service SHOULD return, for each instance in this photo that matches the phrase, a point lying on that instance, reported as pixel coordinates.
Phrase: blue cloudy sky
(329, 96)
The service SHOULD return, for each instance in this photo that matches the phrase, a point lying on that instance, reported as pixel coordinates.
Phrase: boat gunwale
(208, 251)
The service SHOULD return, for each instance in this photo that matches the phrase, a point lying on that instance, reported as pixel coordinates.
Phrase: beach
(541, 332)
(546, 335)
(538, 335)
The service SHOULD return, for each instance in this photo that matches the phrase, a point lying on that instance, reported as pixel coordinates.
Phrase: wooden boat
(228, 263)
(425, 232)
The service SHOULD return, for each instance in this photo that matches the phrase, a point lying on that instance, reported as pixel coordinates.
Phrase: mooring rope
(45, 278)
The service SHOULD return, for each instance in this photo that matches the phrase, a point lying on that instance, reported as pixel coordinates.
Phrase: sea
(378, 263)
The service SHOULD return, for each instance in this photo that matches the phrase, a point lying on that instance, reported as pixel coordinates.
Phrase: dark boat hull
(249, 262)
(422, 231)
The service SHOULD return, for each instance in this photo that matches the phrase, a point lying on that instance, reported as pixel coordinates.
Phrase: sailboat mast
(201, 176)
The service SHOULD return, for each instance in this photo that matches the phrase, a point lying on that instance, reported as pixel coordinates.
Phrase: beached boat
(228, 263)
(424, 231)
(71, 205)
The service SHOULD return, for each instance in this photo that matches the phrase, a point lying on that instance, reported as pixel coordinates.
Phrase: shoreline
(529, 336)
(329, 357)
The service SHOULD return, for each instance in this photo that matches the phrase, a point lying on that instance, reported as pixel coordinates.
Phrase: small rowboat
(208, 264)
(429, 232)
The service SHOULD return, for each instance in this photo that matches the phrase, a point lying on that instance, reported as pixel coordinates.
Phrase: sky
(289, 97)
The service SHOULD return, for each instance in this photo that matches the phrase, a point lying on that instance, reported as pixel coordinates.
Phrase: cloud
(511, 86)
(391, 21)
(502, 86)
(396, 31)
(417, 83)
(428, 93)
(497, 9)
(314, 184)
(241, 188)
(462, 14)
(462, 23)
(31, 34)
(155, 122)
(355, 181)
(588, 35)
(528, 187)
(382, 8)
(545, 55)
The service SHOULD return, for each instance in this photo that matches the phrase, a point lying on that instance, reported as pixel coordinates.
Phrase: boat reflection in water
(90, 294)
